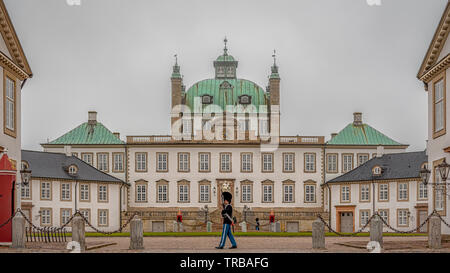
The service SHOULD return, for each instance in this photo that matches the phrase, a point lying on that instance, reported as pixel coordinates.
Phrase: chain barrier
(347, 234)
(101, 231)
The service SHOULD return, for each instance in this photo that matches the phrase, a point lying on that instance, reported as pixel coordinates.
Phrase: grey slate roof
(395, 166)
(53, 165)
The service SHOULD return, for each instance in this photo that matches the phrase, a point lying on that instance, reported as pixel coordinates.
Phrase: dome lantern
(225, 65)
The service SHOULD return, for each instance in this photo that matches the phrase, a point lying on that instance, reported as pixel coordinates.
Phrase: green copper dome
(225, 58)
(226, 92)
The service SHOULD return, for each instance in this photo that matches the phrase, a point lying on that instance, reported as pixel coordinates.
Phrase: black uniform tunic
(227, 210)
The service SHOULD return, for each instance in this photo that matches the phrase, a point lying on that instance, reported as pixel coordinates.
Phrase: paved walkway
(245, 245)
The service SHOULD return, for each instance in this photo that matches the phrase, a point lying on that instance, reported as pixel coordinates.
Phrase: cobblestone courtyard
(245, 245)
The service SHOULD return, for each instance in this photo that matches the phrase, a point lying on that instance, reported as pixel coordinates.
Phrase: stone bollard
(434, 232)
(376, 230)
(208, 226)
(78, 234)
(180, 227)
(272, 227)
(136, 234)
(243, 226)
(318, 234)
(175, 226)
(18, 231)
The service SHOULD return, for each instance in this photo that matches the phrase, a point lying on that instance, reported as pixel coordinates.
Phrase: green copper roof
(223, 97)
(225, 58)
(85, 134)
(361, 135)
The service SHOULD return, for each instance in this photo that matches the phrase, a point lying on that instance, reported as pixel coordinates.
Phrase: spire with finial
(225, 49)
(274, 74)
(176, 68)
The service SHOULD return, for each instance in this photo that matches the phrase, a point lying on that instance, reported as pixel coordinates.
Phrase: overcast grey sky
(116, 56)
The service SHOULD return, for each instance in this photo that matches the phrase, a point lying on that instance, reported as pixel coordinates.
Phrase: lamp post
(25, 177)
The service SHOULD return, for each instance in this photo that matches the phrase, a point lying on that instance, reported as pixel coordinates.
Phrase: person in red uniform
(227, 214)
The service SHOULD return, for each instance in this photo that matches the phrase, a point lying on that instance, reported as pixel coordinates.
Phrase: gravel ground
(245, 245)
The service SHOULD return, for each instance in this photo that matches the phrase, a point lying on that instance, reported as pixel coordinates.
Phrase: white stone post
(18, 231)
(318, 234)
(136, 233)
(180, 227)
(243, 226)
(208, 226)
(78, 231)
(376, 230)
(434, 232)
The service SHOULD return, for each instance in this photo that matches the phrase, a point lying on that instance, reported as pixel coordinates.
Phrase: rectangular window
(183, 193)
(383, 192)
(310, 162)
(103, 193)
(141, 192)
(65, 215)
(403, 192)
(86, 213)
(402, 217)
(10, 106)
(364, 217)
(422, 191)
(345, 193)
(225, 162)
(439, 106)
(46, 191)
(187, 126)
(288, 193)
(310, 193)
(162, 160)
(118, 162)
(46, 216)
(384, 213)
(204, 193)
(347, 162)
(439, 197)
(103, 217)
(203, 162)
(332, 163)
(267, 162)
(246, 162)
(162, 193)
(66, 192)
(183, 162)
(25, 191)
(364, 192)
(362, 158)
(141, 162)
(88, 158)
(84, 192)
(288, 162)
(102, 162)
(246, 193)
(267, 193)
(263, 127)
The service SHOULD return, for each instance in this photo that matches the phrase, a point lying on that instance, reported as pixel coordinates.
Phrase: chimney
(92, 118)
(68, 150)
(333, 135)
(380, 151)
(117, 134)
(357, 118)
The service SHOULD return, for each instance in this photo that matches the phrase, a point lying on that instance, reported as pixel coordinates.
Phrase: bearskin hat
(227, 196)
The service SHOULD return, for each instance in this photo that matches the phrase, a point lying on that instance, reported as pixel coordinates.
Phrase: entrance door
(225, 186)
(422, 216)
(157, 226)
(292, 227)
(346, 222)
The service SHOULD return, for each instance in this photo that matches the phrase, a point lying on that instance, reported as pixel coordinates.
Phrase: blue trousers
(226, 231)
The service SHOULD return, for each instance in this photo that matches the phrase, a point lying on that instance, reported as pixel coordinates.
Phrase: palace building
(225, 137)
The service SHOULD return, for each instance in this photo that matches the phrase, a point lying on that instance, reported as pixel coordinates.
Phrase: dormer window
(245, 99)
(206, 99)
(376, 171)
(72, 170)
